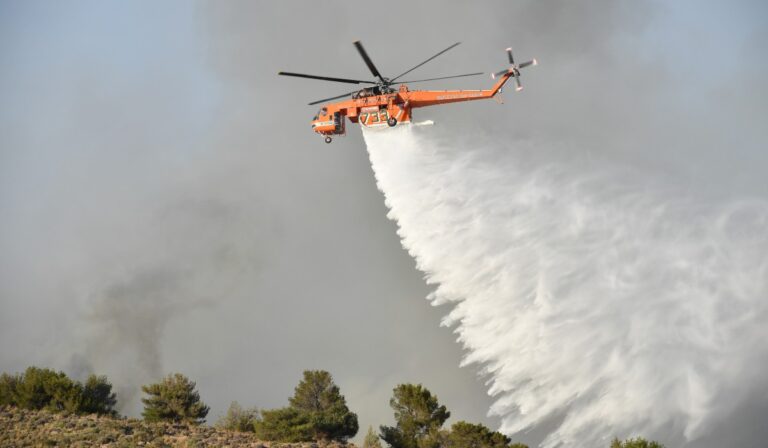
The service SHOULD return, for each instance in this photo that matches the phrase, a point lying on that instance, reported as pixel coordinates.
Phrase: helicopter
(382, 104)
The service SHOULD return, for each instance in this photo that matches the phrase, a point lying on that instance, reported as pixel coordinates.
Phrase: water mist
(597, 303)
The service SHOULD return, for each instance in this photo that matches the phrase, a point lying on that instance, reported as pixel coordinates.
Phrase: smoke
(199, 252)
(592, 298)
(128, 321)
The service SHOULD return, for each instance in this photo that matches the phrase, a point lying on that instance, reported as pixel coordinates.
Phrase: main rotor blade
(443, 77)
(334, 98)
(367, 60)
(326, 78)
(433, 57)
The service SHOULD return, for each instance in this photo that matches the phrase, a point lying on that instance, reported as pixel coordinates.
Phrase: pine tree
(319, 398)
(418, 417)
(97, 397)
(173, 399)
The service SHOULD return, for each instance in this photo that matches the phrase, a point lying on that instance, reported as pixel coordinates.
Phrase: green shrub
(8, 389)
(284, 425)
(173, 399)
(470, 435)
(40, 388)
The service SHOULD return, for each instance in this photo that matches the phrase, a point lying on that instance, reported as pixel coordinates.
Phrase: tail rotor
(514, 69)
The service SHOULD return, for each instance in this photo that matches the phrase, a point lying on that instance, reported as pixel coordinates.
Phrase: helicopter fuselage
(370, 109)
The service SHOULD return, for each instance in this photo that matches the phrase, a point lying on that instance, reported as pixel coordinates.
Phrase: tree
(173, 399)
(470, 435)
(318, 397)
(9, 389)
(46, 389)
(418, 417)
(40, 388)
(97, 397)
(635, 443)
(284, 425)
(238, 418)
(371, 439)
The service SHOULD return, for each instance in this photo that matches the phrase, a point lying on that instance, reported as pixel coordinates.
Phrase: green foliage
(284, 425)
(317, 411)
(97, 396)
(238, 418)
(418, 418)
(470, 435)
(371, 439)
(173, 399)
(635, 443)
(8, 389)
(40, 388)
(47, 389)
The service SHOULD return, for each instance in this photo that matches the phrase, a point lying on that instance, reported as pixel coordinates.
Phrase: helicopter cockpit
(322, 111)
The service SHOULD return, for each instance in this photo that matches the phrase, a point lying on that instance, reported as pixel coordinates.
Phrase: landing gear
(392, 122)
(328, 139)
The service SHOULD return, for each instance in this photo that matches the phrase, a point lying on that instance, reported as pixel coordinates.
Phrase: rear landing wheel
(392, 122)
(328, 139)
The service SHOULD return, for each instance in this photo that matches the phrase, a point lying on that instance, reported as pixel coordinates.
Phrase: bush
(238, 418)
(284, 425)
(8, 389)
(40, 388)
(173, 399)
(470, 435)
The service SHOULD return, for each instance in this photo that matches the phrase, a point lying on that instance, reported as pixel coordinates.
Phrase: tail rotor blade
(511, 59)
(527, 63)
(518, 86)
(497, 74)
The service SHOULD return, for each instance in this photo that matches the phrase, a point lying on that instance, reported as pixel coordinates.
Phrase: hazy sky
(166, 207)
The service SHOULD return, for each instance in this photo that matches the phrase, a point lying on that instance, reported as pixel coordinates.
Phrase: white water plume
(598, 304)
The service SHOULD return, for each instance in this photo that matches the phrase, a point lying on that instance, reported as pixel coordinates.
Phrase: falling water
(598, 304)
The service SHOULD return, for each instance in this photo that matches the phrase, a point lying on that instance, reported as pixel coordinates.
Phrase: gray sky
(166, 206)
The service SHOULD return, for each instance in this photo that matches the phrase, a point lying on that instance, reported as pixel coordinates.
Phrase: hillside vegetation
(40, 428)
(42, 407)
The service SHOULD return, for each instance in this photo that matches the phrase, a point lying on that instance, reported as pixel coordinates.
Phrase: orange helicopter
(382, 104)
